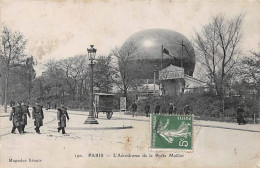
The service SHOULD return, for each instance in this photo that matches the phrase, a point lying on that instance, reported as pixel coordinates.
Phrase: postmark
(172, 132)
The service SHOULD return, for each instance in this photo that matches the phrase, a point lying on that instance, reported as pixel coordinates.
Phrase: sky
(61, 29)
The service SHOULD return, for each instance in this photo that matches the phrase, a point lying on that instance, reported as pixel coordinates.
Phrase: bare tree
(124, 76)
(69, 72)
(12, 54)
(70, 77)
(251, 67)
(103, 74)
(250, 70)
(218, 48)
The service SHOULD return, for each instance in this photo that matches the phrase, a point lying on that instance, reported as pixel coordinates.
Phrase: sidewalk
(121, 121)
(226, 125)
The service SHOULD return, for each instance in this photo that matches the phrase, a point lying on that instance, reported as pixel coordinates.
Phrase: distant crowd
(172, 110)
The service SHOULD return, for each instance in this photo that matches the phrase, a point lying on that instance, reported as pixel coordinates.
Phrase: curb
(220, 127)
(101, 128)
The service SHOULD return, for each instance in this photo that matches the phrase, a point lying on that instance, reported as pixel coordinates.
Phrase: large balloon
(149, 44)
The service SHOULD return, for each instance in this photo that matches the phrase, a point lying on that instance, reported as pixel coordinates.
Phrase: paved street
(215, 143)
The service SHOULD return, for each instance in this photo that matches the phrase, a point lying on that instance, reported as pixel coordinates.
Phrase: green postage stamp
(172, 132)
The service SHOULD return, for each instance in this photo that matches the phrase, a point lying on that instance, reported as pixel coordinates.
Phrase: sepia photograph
(129, 84)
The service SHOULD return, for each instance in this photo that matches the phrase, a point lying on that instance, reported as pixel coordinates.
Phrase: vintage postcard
(129, 84)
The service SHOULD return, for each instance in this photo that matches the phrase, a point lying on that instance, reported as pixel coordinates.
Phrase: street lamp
(91, 55)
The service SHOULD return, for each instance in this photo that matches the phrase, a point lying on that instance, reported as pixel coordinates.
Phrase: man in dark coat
(62, 114)
(147, 109)
(186, 110)
(157, 108)
(37, 114)
(170, 109)
(240, 117)
(25, 112)
(15, 116)
(134, 108)
(49, 105)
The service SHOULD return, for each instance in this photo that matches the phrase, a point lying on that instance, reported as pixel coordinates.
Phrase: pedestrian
(157, 108)
(55, 105)
(147, 109)
(49, 105)
(170, 109)
(186, 110)
(15, 116)
(62, 114)
(25, 112)
(37, 114)
(134, 108)
(240, 117)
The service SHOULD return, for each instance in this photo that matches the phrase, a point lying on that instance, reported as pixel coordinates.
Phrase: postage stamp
(172, 132)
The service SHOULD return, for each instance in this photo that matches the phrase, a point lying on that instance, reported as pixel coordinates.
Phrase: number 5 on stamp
(172, 132)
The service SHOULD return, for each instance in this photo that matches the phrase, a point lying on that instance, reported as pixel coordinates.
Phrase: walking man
(134, 108)
(37, 114)
(240, 117)
(62, 114)
(170, 109)
(186, 110)
(15, 116)
(25, 112)
(157, 108)
(147, 109)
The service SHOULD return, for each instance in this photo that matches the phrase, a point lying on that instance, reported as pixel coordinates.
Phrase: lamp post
(91, 55)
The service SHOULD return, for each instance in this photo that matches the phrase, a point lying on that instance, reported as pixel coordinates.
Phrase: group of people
(19, 112)
(147, 109)
(186, 111)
